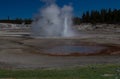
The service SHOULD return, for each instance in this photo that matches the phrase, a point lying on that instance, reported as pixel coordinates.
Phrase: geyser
(53, 21)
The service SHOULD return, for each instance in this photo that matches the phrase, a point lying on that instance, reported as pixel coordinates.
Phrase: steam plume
(53, 21)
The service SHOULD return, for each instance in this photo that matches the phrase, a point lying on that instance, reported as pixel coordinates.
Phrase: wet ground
(26, 53)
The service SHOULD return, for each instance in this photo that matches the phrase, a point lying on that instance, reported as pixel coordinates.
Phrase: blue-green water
(73, 49)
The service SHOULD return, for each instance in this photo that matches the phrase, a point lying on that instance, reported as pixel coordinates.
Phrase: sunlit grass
(88, 72)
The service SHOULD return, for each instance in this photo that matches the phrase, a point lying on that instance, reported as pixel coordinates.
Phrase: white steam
(53, 21)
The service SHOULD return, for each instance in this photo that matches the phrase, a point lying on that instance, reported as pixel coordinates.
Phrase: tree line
(103, 16)
(16, 21)
(108, 16)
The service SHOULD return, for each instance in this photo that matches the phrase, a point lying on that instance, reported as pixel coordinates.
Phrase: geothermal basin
(69, 47)
(32, 53)
(74, 50)
(54, 43)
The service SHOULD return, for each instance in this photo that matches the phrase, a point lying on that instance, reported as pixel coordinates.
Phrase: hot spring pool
(68, 50)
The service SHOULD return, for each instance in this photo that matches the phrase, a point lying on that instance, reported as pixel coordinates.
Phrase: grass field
(88, 72)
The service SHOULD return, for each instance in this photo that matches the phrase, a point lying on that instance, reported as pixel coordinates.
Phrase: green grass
(89, 72)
